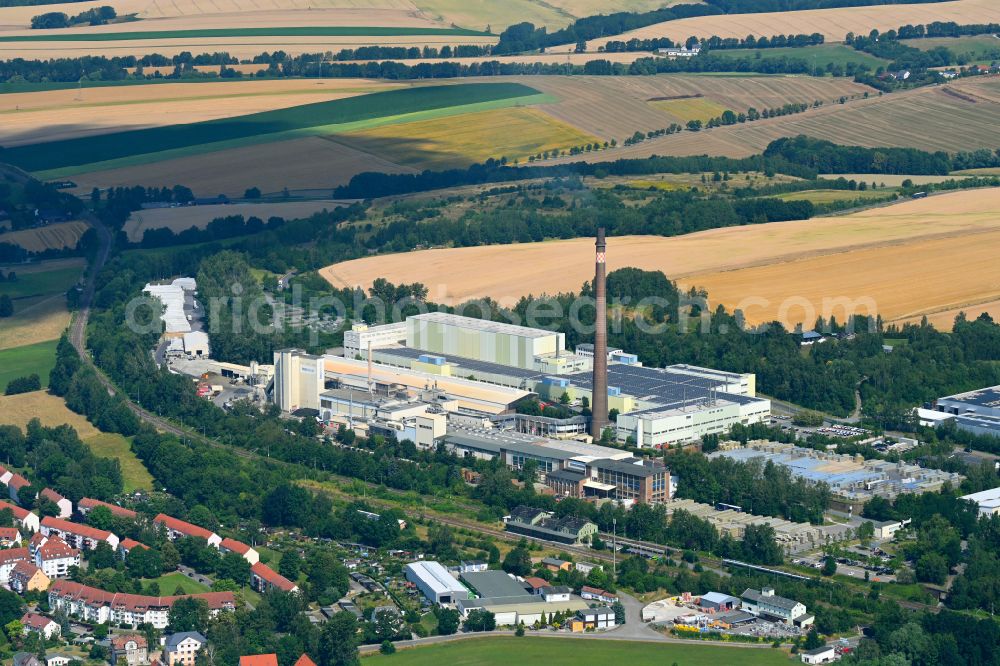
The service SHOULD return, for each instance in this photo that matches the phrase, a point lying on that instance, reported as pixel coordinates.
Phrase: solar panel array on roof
(666, 388)
(409, 354)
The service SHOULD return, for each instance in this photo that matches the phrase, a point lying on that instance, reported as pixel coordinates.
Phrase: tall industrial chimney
(599, 404)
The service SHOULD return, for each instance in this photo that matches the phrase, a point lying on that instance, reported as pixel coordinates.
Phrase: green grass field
(169, 582)
(309, 31)
(816, 56)
(134, 473)
(831, 196)
(52, 156)
(22, 361)
(567, 651)
(968, 49)
(42, 283)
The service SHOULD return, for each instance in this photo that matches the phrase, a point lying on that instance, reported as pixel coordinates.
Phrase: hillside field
(184, 217)
(918, 256)
(51, 157)
(962, 115)
(39, 296)
(564, 652)
(51, 237)
(445, 143)
(53, 115)
(16, 362)
(833, 24)
(52, 411)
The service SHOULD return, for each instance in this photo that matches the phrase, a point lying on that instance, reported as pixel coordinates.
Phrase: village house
(177, 529)
(15, 485)
(182, 648)
(129, 650)
(41, 625)
(83, 537)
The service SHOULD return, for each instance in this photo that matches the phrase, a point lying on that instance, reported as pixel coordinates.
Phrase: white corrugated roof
(172, 297)
(436, 577)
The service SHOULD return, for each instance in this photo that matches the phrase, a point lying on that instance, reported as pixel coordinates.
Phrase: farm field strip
(55, 281)
(450, 142)
(695, 108)
(307, 163)
(817, 56)
(833, 24)
(925, 118)
(774, 259)
(185, 217)
(616, 107)
(22, 361)
(322, 131)
(343, 114)
(37, 320)
(52, 237)
(278, 31)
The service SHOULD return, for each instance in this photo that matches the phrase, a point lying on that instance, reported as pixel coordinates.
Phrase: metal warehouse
(434, 581)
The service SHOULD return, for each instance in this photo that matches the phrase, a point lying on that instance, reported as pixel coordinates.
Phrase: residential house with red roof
(27, 520)
(77, 535)
(87, 504)
(129, 650)
(259, 660)
(304, 660)
(5, 475)
(228, 545)
(9, 558)
(26, 577)
(177, 529)
(597, 594)
(65, 506)
(55, 557)
(10, 537)
(16, 484)
(41, 625)
(93, 605)
(264, 578)
(126, 546)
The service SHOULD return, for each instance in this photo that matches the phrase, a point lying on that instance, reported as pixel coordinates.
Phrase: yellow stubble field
(833, 24)
(925, 255)
(54, 115)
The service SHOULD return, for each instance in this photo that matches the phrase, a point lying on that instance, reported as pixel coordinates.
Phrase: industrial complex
(977, 412)
(852, 479)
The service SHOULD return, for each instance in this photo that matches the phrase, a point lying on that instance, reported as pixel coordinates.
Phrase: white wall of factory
(668, 427)
(361, 335)
(481, 340)
(298, 380)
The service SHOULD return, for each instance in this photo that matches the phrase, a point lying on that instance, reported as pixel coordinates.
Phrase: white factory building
(988, 501)
(173, 296)
(435, 582)
(475, 371)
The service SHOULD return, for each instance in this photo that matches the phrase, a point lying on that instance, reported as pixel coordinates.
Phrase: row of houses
(262, 577)
(97, 606)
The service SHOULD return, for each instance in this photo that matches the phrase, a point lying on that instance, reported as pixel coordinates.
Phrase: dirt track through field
(855, 256)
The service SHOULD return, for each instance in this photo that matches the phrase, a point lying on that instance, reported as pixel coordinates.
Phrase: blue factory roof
(663, 386)
(808, 468)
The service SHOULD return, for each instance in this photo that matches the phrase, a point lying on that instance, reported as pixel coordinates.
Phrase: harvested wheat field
(833, 24)
(35, 320)
(185, 217)
(308, 163)
(54, 115)
(52, 237)
(958, 116)
(931, 253)
(443, 143)
(49, 409)
(616, 107)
